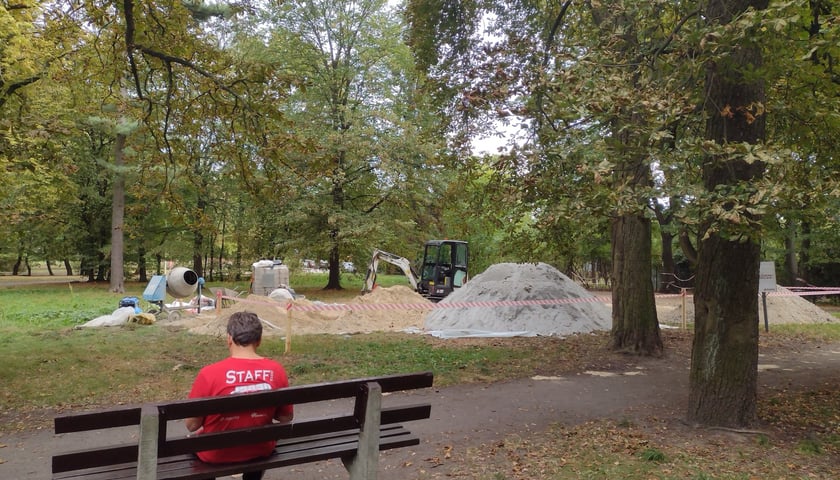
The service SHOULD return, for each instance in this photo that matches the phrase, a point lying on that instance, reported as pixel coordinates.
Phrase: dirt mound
(511, 282)
(385, 309)
(783, 306)
(393, 308)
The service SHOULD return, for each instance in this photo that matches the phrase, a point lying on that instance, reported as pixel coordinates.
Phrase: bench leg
(365, 464)
(147, 454)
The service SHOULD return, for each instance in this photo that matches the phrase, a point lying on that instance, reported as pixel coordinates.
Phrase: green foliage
(247, 140)
(363, 180)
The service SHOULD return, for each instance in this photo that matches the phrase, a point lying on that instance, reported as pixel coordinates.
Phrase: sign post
(766, 283)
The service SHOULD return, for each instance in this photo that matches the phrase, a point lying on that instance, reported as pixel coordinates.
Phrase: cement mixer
(180, 282)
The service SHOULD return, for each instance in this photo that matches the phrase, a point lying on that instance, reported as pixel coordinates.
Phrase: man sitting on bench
(243, 372)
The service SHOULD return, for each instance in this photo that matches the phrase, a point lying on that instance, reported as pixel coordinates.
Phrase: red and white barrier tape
(806, 291)
(485, 304)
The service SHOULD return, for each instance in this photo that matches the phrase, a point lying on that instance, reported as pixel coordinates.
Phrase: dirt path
(468, 416)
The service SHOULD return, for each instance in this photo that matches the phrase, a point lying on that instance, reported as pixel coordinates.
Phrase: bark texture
(635, 328)
(724, 358)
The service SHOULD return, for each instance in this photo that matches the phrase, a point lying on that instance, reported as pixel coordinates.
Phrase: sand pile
(511, 281)
(401, 309)
(782, 307)
(384, 309)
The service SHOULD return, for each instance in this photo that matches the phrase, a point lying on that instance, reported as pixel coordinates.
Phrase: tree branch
(556, 26)
(9, 90)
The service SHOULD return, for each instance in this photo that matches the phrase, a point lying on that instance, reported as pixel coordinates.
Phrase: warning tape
(421, 306)
(806, 291)
(485, 304)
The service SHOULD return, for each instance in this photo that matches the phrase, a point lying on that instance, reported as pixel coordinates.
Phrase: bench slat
(292, 395)
(130, 415)
(307, 429)
(111, 418)
(299, 453)
(97, 457)
(295, 452)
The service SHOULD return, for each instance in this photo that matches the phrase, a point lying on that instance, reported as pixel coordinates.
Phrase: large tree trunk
(724, 360)
(334, 281)
(117, 284)
(334, 269)
(635, 327)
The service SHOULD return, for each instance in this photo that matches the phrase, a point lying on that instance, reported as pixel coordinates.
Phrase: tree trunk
(222, 248)
(635, 327)
(141, 265)
(724, 359)
(117, 284)
(198, 240)
(17, 265)
(668, 277)
(49, 268)
(334, 281)
(805, 254)
(101, 268)
(335, 269)
(668, 282)
(791, 267)
(68, 268)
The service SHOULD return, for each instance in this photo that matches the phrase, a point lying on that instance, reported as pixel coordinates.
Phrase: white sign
(767, 277)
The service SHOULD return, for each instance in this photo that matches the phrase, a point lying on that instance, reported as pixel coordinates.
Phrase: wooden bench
(355, 436)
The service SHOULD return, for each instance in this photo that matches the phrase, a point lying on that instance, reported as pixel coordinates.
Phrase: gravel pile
(783, 306)
(519, 282)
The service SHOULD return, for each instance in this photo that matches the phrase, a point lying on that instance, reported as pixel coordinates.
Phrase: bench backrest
(177, 410)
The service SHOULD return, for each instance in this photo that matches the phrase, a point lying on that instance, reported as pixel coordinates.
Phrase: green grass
(46, 363)
(823, 332)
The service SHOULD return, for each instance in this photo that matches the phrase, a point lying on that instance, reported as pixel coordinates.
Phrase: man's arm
(193, 423)
(284, 415)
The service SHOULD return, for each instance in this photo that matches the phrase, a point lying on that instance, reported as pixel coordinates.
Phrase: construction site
(544, 303)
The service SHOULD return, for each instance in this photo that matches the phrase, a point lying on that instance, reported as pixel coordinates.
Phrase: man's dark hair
(244, 328)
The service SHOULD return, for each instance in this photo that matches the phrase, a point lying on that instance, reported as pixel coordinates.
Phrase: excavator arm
(402, 263)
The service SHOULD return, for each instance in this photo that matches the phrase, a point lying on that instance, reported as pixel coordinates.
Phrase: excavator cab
(444, 268)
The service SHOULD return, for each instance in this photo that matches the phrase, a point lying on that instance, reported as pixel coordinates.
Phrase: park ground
(596, 414)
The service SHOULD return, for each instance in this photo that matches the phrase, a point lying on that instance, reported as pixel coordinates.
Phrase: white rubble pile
(783, 306)
(519, 282)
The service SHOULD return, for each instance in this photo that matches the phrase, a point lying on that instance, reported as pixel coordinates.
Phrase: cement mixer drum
(181, 282)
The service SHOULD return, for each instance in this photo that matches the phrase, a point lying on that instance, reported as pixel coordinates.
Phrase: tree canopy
(651, 137)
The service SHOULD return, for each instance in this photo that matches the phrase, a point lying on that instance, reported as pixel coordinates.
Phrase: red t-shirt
(232, 376)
